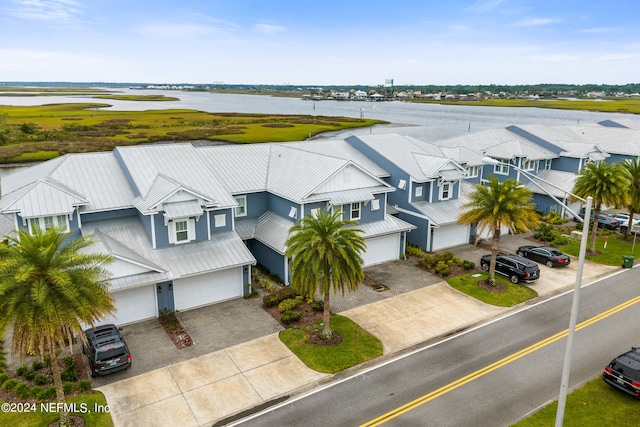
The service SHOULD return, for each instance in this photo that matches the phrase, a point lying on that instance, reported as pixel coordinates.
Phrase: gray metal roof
(223, 251)
(442, 213)
(337, 198)
(389, 225)
(182, 209)
(182, 163)
(518, 149)
(561, 183)
(611, 140)
(45, 197)
(273, 231)
(241, 168)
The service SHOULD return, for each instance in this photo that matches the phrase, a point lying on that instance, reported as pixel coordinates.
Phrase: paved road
(478, 378)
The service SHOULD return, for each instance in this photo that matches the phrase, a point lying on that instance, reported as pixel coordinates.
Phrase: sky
(321, 42)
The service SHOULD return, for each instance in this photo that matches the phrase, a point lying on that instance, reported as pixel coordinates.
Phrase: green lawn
(357, 346)
(42, 418)
(595, 405)
(612, 254)
(514, 294)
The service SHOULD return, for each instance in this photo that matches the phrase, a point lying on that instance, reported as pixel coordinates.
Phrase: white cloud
(535, 22)
(484, 5)
(267, 29)
(614, 57)
(177, 31)
(49, 10)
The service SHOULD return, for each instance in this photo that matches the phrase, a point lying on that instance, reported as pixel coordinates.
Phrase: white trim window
(182, 230)
(241, 209)
(355, 210)
(529, 165)
(501, 168)
(220, 220)
(418, 191)
(547, 164)
(47, 222)
(472, 172)
(445, 191)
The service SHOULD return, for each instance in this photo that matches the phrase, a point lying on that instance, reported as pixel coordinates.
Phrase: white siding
(204, 289)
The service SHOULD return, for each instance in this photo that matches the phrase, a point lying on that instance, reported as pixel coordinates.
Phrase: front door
(165, 296)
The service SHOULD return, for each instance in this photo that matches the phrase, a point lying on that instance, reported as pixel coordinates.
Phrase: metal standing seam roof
(273, 231)
(463, 155)
(161, 189)
(610, 140)
(563, 180)
(338, 198)
(389, 225)
(184, 209)
(182, 163)
(224, 250)
(517, 148)
(240, 168)
(441, 213)
(45, 197)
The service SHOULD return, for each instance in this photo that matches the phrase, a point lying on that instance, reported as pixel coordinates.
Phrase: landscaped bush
(70, 372)
(317, 305)
(443, 269)
(22, 391)
(37, 364)
(278, 296)
(84, 385)
(35, 391)
(545, 233)
(559, 241)
(290, 316)
(9, 384)
(67, 387)
(22, 370)
(47, 393)
(41, 379)
(3, 377)
(30, 375)
(468, 265)
(414, 251)
(554, 218)
(289, 304)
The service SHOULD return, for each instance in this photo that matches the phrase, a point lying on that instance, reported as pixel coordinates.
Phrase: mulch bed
(176, 332)
(308, 315)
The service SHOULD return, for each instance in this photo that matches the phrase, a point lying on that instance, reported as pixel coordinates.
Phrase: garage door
(133, 305)
(449, 236)
(204, 289)
(382, 249)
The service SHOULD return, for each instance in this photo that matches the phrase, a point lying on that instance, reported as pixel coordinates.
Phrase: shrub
(414, 251)
(70, 372)
(3, 377)
(288, 304)
(67, 387)
(41, 379)
(290, 316)
(560, 241)
(21, 390)
(9, 384)
(29, 375)
(22, 370)
(554, 218)
(278, 296)
(443, 269)
(35, 391)
(468, 265)
(545, 233)
(428, 261)
(47, 393)
(84, 385)
(37, 364)
(317, 305)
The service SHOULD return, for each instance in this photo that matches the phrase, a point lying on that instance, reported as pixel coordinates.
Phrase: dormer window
(445, 191)
(355, 211)
(48, 222)
(501, 168)
(529, 165)
(182, 230)
(241, 210)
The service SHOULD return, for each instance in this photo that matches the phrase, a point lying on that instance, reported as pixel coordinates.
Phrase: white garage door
(196, 291)
(133, 305)
(449, 236)
(382, 249)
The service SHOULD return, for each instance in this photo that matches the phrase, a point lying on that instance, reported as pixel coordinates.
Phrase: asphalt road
(493, 375)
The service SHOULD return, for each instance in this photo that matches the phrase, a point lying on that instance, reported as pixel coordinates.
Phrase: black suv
(106, 349)
(623, 372)
(516, 268)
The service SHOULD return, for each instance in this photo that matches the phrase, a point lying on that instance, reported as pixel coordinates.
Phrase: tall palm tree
(607, 184)
(326, 254)
(495, 205)
(633, 170)
(49, 289)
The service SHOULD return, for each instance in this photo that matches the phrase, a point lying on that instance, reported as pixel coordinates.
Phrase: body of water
(428, 122)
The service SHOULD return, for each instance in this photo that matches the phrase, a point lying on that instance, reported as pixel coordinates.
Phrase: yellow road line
(492, 367)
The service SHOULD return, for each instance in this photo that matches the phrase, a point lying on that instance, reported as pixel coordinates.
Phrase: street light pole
(566, 368)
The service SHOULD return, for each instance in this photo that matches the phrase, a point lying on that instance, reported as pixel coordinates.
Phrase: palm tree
(326, 254)
(49, 289)
(495, 205)
(607, 184)
(633, 170)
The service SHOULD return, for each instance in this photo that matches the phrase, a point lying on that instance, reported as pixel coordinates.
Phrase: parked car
(516, 268)
(106, 350)
(607, 221)
(549, 256)
(623, 372)
(624, 221)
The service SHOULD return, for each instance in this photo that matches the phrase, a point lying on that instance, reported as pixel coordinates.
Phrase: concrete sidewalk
(215, 386)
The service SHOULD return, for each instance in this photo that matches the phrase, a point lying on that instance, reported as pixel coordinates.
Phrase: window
(529, 165)
(418, 191)
(48, 222)
(315, 212)
(182, 230)
(547, 164)
(241, 210)
(220, 220)
(355, 210)
(501, 168)
(182, 233)
(445, 191)
(472, 172)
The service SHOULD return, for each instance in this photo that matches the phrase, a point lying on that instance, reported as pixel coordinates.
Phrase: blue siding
(282, 207)
(162, 231)
(101, 216)
(454, 189)
(202, 230)
(256, 204)
(618, 158)
(310, 206)
(417, 237)
(425, 192)
(267, 258)
(227, 227)
(567, 164)
(367, 215)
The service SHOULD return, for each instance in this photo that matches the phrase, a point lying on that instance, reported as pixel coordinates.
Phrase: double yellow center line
(492, 367)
